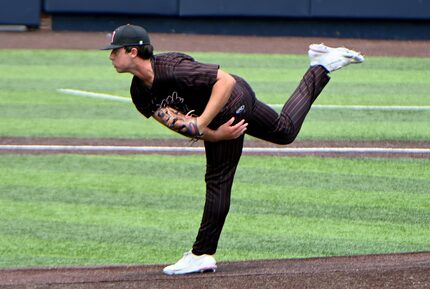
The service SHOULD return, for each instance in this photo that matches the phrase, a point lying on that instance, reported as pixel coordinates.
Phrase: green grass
(104, 210)
(31, 106)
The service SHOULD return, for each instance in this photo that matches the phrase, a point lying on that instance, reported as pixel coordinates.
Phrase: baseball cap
(128, 35)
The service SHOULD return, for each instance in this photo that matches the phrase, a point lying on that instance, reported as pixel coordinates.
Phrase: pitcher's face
(121, 59)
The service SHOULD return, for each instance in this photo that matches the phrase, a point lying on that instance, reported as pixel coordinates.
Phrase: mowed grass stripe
(121, 210)
(322, 203)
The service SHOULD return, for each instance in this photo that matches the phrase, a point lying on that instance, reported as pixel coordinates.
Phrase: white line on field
(164, 149)
(93, 94)
(351, 107)
(364, 107)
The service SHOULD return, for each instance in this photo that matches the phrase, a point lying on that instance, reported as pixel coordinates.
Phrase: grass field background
(111, 209)
(31, 105)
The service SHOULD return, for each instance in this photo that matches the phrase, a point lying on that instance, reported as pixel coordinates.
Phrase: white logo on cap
(113, 36)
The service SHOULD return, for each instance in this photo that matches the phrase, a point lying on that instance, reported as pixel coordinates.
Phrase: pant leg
(222, 160)
(283, 128)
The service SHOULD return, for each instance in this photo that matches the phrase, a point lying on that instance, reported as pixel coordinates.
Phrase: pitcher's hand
(226, 131)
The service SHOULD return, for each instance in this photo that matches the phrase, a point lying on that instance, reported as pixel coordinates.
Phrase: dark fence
(392, 19)
(20, 12)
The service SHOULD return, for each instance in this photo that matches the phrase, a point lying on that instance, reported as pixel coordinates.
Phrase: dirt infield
(374, 271)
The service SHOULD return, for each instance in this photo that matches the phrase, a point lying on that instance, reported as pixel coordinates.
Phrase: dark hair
(143, 51)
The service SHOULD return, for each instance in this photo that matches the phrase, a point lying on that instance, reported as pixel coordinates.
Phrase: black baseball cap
(128, 35)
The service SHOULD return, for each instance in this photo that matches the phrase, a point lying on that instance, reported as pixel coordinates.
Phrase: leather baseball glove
(185, 124)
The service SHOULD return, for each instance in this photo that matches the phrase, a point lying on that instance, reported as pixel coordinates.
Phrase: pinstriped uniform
(186, 84)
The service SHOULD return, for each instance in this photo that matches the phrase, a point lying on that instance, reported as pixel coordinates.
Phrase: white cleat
(333, 58)
(191, 263)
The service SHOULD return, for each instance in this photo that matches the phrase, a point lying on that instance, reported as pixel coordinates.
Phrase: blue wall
(130, 7)
(381, 9)
(20, 12)
(392, 19)
(248, 8)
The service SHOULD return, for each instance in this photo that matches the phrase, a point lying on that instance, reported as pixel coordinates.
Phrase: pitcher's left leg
(265, 123)
(298, 105)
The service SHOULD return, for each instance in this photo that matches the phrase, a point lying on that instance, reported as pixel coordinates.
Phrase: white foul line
(168, 149)
(85, 93)
(94, 94)
(365, 107)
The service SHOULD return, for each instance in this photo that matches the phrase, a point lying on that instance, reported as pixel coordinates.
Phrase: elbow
(226, 78)
(232, 81)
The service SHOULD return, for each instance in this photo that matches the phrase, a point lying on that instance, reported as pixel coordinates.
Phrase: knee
(285, 139)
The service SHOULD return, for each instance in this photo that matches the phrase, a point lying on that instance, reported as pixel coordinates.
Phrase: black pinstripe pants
(223, 157)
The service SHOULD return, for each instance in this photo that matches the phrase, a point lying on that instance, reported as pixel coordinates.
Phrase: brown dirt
(253, 143)
(181, 42)
(373, 271)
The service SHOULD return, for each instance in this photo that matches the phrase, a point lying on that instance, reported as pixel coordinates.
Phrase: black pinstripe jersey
(179, 81)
